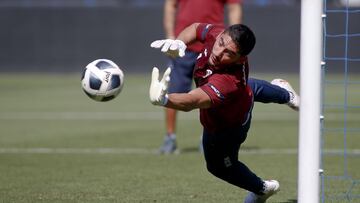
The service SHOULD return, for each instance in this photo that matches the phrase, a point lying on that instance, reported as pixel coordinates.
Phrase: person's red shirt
(227, 87)
(193, 11)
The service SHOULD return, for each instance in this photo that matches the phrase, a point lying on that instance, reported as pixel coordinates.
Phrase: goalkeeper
(224, 97)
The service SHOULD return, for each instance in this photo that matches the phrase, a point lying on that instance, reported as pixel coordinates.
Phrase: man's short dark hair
(243, 37)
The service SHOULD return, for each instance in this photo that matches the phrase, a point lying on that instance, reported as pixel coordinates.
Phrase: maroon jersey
(226, 86)
(192, 11)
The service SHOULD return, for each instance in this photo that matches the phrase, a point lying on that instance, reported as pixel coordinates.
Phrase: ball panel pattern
(115, 82)
(108, 98)
(102, 65)
(94, 82)
(83, 73)
(90, 95)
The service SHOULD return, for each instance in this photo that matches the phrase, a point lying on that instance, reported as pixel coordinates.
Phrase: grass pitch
(57, 145)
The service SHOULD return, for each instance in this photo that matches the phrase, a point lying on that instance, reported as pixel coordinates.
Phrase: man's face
(224, 51)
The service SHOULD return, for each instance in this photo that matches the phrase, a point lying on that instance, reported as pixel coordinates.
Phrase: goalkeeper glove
(173, 48)
(158, 89)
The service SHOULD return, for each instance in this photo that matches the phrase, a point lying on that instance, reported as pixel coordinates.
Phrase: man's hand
(158, 89)
(173, 48)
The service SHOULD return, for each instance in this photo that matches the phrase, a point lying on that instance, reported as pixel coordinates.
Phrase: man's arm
(195, 99)
(235, 13)
(188, 35)
(169, 18)
(158, 95)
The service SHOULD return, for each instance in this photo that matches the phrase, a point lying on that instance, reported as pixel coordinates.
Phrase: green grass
(57, 145)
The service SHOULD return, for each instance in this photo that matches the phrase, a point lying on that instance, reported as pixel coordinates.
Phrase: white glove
(158, 89)
(173, 48)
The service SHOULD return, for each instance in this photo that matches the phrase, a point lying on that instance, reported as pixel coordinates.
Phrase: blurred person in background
(178, 14)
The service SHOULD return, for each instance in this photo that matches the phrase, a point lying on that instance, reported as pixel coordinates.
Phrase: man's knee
(220, 168)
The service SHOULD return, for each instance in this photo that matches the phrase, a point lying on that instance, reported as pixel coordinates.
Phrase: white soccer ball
(102, 80)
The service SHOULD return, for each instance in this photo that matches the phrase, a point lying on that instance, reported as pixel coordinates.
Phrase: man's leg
(170, 120)
(169, 144)
(221, 154)
(181, 81)
(278, 91)
(266, 92)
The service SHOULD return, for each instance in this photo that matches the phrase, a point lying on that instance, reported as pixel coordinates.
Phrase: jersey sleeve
(206, 31)
(233, 1)
(202, 31)
(220, 89)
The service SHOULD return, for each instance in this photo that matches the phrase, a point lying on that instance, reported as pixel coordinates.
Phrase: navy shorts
(182, 73)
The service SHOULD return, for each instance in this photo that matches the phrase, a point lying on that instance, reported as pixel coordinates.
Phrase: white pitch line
(81, 116)
(77, 151)
(134, 151)
(260, 116)
(123, 116)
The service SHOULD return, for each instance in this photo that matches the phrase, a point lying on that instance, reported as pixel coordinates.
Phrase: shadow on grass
(290, 201)
(190, 150)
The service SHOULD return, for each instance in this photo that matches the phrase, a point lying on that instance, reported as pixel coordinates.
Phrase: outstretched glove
(158, 89)
(173, 48)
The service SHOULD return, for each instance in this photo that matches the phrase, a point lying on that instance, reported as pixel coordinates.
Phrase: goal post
(309, 119)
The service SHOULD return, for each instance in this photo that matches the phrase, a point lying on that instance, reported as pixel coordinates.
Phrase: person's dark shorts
(182, 73)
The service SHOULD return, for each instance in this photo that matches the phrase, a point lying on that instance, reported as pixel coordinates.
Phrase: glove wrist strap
(165, 100)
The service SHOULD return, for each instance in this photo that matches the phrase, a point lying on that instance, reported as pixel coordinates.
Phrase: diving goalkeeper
(224, 97)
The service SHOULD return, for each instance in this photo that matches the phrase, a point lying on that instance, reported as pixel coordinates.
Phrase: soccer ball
(102, 80)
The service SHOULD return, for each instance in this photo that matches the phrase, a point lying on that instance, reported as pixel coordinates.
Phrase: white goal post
(309, 121)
